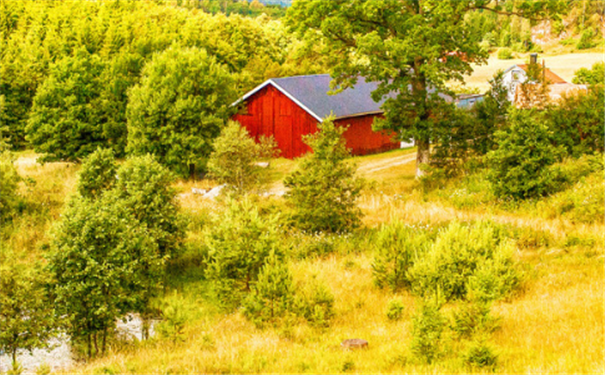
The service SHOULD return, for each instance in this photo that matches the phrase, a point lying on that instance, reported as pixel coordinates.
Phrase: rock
(354, 344)
(262, 164)
(214, 192)
(198, 191)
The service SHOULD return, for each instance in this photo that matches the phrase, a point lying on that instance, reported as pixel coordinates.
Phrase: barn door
(283, 125)
(268, 122)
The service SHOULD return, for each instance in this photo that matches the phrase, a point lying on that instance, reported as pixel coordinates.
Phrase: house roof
(311, 94)
(550, 76)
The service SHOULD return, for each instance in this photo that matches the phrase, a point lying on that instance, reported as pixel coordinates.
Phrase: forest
(142, 230)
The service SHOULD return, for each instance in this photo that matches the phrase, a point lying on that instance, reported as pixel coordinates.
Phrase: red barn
(288, 108)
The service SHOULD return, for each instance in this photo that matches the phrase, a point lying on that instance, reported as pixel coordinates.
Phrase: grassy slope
(554, 326)
(563, 65)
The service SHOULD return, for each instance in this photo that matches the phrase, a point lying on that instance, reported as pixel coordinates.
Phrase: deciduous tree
(411, 48)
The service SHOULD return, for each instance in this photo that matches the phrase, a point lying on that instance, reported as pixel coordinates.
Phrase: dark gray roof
(311, 93)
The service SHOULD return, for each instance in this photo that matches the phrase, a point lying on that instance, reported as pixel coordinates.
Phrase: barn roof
(311, 94)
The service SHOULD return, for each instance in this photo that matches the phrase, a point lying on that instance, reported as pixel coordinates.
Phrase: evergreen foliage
(239, 244)
(324, 189)
(398, 247)
(272, 295)
(428, 325)
(97, 174)
(9, 179)
(66, 120)
(234, 159)
(466, 263)
(315, 302)
(521, 166)
(179, 107)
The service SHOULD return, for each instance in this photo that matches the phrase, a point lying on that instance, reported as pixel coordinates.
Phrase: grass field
(562, 65)
(555, 325)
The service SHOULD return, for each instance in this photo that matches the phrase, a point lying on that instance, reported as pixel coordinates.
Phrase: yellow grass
(556, 325)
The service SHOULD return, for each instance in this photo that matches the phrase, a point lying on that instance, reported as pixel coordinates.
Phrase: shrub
(395, 310)
(239, 243)
(474, 318)
(460, 253)
(480, 354)
(324, 189)
(398, 246)
(521, 166)
(174, 318)
(272, 295)
(9, 179)
(582, 203)
(586, 40)
(234, 159)
(315, 303)
(505, 54)
(98, 173)
(428, 325)
(593, 76)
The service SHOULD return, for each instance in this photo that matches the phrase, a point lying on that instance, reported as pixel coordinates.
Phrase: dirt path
(379, 165)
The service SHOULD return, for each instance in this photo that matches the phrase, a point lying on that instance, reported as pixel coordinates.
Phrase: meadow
(554, 324)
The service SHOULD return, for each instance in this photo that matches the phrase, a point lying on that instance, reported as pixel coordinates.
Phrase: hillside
(553, 325)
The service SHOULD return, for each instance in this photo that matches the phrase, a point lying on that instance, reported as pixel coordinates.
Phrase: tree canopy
(411, 48)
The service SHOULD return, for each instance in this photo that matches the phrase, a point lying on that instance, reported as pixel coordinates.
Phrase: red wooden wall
(269, 112)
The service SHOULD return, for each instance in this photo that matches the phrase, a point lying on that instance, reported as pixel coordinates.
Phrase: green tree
(593, 76)
(521, 165)
(272, 295)
(576, 121)
(234, 159)
(66, 120)
(323, 189)
(179, 107)
(101, 260)
(26, 317)
(411, 48)
(9, 179)
(239, 244)
(98, 173)
(144, 187)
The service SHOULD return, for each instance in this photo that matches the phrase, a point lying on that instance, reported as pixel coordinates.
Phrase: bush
(521, 166)
(582, 203)
(395, 310)
(505, 54)
(9, 179)
(239, 244)
(315, 303)
(480, 354)
(474, 318)
(272, 295)
(324, 189)
(586, 40)
(98, 173)
(428, 325)
(174, 318)
(234, 159)
(461, 261)
(592, 76)
(398, 246)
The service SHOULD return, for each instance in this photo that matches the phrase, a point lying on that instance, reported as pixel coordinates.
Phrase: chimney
(533, 58)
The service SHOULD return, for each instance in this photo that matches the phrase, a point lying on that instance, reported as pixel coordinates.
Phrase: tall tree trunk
(422, 155)
(89, 345)
(104, 342)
